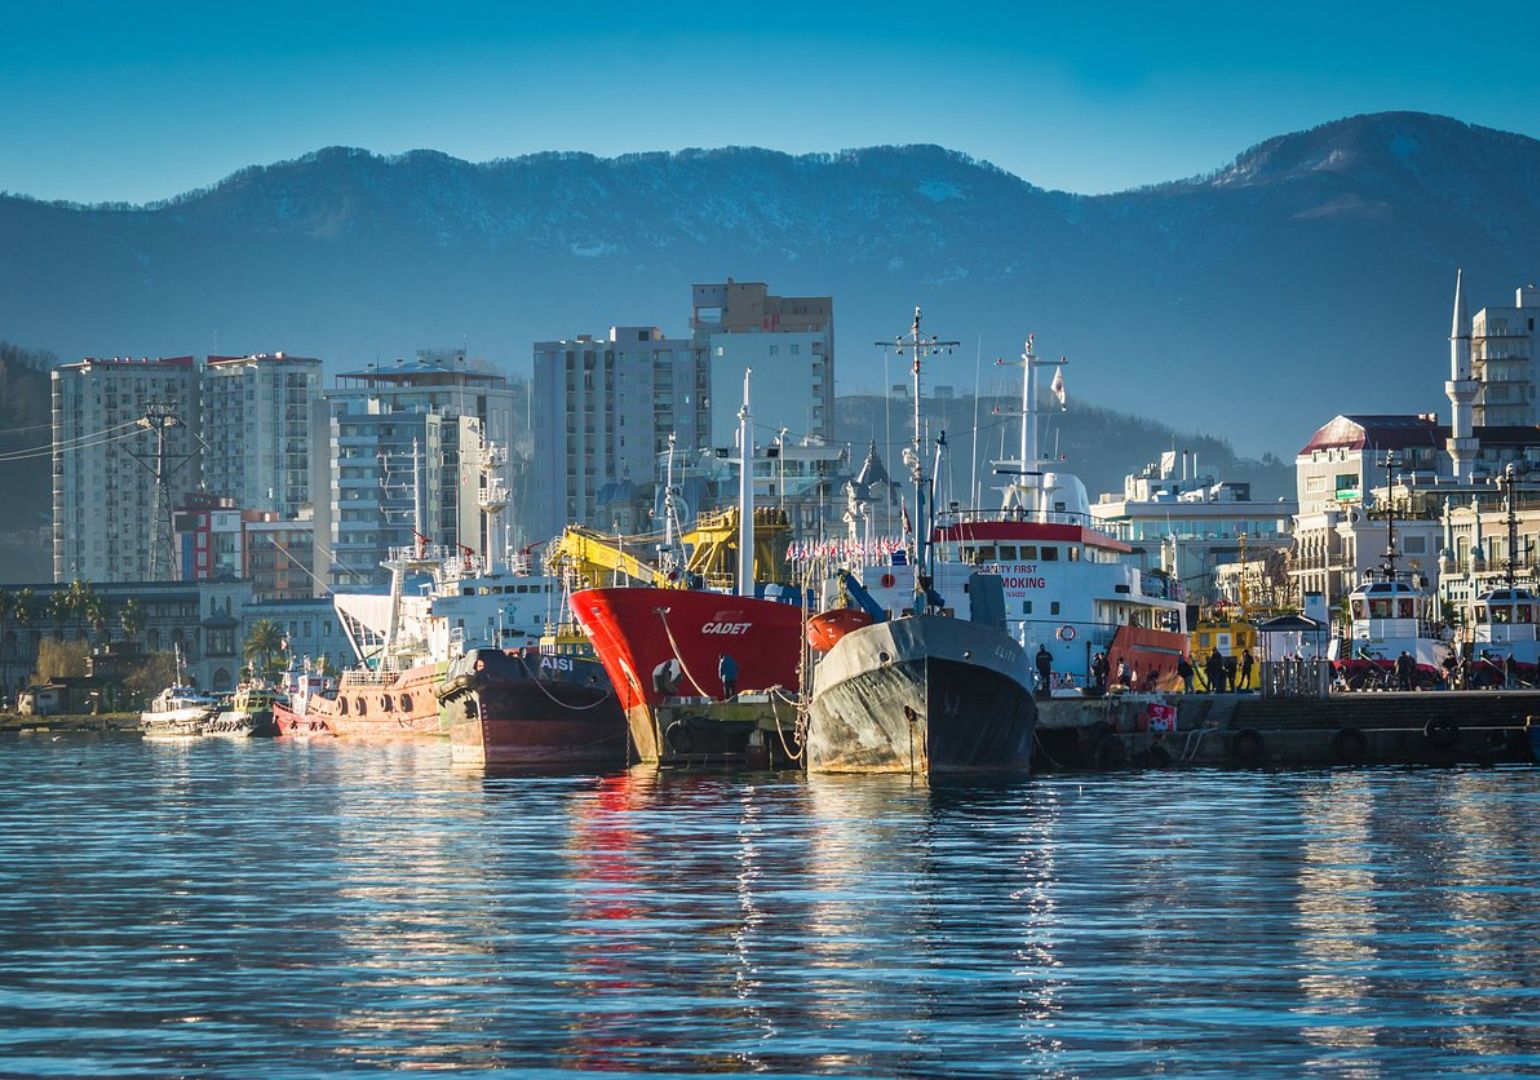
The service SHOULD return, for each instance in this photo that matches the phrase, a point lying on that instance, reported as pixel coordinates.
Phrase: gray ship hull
(924, 694)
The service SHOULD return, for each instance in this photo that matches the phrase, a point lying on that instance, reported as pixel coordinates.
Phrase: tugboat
(250, 714)
(924, 692)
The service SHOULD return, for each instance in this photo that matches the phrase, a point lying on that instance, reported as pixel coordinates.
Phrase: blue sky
(113, 101)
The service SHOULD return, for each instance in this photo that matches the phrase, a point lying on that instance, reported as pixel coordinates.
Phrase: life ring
(1110, 752)
(679, 737)
(1066, 633)
(1248, 746)
(1442, 732)
(888, 581)
(1350, 745)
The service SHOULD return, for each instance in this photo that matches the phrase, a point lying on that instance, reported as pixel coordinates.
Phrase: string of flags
(885, 549)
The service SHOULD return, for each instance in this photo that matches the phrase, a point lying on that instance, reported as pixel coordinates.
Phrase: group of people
(1221, 674)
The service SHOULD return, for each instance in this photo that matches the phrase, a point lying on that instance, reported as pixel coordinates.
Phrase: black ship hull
(510, 711)
(923, 695)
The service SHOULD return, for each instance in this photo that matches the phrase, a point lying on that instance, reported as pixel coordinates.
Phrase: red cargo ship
(637, 631)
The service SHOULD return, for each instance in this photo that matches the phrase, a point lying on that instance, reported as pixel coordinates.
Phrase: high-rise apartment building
(604, 410)
(789, 343)
(108, 416)
(604, 407)
(380, 475)
(1502, 360)
(256, 421)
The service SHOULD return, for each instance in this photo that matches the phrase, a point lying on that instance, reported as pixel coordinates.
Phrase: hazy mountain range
(1312, 275)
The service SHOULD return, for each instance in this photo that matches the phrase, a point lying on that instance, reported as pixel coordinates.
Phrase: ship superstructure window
(1028, 552)
(987, 553)
(1073, 553)
(1007, 552)
(406, 702)
(1049, 554)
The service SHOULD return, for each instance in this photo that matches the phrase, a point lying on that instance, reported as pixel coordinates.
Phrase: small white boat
(177, 712)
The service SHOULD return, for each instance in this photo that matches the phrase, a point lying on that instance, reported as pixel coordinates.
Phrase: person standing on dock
(727, 671)
(1184, 669)
(1404, 668)
(1099, 671)
(1214, 671)
(1044, 669)
(1247, 663)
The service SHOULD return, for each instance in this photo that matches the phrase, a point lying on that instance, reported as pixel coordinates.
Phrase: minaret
(1461, 388)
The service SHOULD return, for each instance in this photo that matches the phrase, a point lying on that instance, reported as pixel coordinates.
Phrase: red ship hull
(636, 631)
(367, 707)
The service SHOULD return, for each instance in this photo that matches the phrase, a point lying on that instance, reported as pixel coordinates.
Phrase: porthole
(359, 704)
(406, 702)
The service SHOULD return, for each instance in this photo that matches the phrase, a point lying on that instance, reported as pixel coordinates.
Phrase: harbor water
(236, 908)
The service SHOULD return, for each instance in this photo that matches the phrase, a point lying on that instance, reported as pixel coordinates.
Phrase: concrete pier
(1433, 728)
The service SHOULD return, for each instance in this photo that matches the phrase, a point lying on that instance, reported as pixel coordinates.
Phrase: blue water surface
(274, 909)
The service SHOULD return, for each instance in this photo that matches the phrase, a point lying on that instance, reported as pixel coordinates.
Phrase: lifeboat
(826, 628)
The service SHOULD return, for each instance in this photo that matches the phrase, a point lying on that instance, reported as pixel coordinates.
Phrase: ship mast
(745, 493)
(918, 348)
(1024, 492)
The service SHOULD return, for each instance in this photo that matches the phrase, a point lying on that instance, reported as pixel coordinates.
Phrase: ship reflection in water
(269, 909)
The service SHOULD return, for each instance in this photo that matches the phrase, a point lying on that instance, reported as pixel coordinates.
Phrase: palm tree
(263, 641)
(24, 606)
(59, 605)
(131, 618)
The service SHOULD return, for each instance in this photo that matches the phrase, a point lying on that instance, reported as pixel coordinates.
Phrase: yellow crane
(594, 559)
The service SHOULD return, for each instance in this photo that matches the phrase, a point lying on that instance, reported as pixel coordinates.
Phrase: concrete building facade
(104, 497)
(256, 420)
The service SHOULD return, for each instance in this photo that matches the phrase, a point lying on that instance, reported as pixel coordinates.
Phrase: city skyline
(118, 104)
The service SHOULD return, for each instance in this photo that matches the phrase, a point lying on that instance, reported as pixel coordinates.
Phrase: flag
(1058, 385)
(908, 526)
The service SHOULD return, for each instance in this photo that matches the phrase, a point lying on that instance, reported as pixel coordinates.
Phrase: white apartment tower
(787, 340)
(362, 457)
(604, 406)
(1502, 358)
(104, 491)
(256, 420)
(604, 410)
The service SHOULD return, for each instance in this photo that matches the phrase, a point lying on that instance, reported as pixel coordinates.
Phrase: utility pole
(160, 417)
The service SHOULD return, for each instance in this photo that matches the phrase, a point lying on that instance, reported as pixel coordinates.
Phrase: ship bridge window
(1525, 613)
(986, 553)
(1379, 609)
(1007, 552)
(1049, 554)
(1481, 613)
(1358, 609)
(1500, 614)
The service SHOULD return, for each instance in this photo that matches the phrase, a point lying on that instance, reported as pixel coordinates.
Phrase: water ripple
(243, 909)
